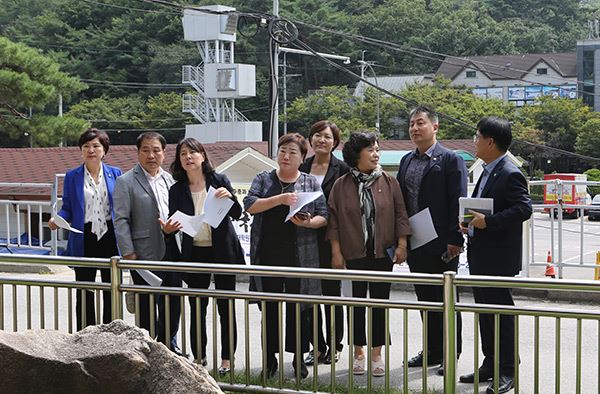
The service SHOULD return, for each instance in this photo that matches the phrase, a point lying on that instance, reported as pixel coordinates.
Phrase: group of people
(361, 222)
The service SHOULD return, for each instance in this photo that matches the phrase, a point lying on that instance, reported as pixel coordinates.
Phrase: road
(547, 377)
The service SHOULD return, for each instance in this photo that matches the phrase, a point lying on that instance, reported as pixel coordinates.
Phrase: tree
(588, 139)
(457, 102)
(116, 115)
(29, 82)
(559, 119)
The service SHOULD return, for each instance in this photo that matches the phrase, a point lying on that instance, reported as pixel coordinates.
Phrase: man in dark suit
(433, 177)
(495, 243)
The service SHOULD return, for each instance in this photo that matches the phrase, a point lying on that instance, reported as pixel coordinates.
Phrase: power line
(441, 115)
(122, 7)
(118, 83)
(413, 51)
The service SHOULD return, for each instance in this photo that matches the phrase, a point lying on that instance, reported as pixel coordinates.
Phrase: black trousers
(493, 295)
(202, 281)
(328, 288)
(94, 247)
(271, 321)
(379, 290)
(170, 279)
(423, 262)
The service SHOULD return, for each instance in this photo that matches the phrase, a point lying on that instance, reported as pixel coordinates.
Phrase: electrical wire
(122, 7)
(414, 51)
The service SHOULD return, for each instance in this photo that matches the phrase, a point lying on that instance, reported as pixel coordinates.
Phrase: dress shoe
(417, 361)
(329, 358)
(310, 358)
(505, 384)
(224, 370)
(272, 366)
(175, 349)
(485, 374)
(303, 368)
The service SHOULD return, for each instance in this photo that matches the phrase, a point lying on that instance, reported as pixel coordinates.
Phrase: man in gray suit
(141, 198)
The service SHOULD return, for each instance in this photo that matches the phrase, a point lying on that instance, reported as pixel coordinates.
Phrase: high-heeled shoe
(303, 367)
(224, 370)
(272, 366)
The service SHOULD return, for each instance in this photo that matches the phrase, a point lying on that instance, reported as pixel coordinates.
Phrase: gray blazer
(136, 216)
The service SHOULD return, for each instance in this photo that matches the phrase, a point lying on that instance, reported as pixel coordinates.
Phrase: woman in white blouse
(88, 207)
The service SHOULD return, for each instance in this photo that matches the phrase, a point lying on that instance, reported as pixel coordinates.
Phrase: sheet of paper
(422, 228)
(346, 287)
(149, 277)
(215, 208)
(466, 204)
(62, 223)
(191, 224)
(303, 199)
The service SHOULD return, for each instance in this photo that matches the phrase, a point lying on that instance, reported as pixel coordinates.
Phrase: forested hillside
(129, 53)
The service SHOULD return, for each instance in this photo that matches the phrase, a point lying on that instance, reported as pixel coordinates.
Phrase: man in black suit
(495, 243)
(433, 177)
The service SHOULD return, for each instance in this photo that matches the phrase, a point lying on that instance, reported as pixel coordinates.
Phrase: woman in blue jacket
(88, 207)
(194, 175)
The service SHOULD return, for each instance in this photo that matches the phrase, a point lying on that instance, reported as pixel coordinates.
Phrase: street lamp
(275, 114)
(364, 65)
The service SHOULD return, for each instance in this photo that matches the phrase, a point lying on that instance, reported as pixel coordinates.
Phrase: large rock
(109, 358)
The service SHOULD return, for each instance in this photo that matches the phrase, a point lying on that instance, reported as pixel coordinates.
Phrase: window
(542, 71)
(471, 74)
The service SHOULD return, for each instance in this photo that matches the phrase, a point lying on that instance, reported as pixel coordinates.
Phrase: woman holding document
(368, 228)
(277, 240)
(88, 207)
(198, 184)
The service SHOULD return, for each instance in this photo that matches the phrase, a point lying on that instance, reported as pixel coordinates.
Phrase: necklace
(283, 187)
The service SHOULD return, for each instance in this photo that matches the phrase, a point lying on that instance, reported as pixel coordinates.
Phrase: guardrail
(396, 319)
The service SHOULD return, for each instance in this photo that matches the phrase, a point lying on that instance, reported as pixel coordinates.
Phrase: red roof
(39, 165)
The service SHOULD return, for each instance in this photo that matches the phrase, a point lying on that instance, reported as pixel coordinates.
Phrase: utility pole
(363, 66)
(275, 91)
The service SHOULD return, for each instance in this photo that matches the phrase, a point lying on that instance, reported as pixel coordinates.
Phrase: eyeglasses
(476, 137)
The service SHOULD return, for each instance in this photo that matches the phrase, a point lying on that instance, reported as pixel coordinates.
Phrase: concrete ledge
(33, 268)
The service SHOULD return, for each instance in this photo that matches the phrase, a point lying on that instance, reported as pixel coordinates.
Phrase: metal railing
(396, 319)
(557, 228)
(19, 218)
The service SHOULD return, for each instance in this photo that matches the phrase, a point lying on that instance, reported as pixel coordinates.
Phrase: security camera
(347, 61)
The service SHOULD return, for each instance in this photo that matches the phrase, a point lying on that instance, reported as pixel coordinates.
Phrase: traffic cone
(550, 272)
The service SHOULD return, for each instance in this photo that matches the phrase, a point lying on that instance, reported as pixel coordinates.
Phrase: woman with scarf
(368, 228)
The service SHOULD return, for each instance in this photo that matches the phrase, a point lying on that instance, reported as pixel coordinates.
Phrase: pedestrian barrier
(17, 300)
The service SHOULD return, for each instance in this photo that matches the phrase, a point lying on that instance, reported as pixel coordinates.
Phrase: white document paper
(62, 223)
(215, 208)
(346, 288)
(483, 205)
(191, 224)
(303, 199)
(423, 231)
(149, 277)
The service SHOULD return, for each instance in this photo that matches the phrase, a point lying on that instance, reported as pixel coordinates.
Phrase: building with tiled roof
(518, 79)
(41, 165)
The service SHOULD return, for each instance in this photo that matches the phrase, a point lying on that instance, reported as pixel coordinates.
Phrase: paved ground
(546, 381)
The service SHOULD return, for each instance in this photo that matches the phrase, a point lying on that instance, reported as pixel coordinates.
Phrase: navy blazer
(444, 181)
(225, 242)
(73, 204)
(336, 169)
(498, 249)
